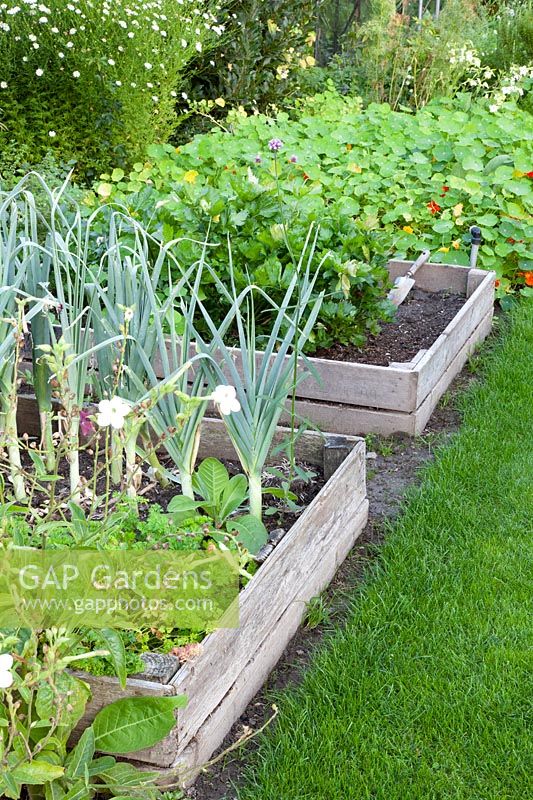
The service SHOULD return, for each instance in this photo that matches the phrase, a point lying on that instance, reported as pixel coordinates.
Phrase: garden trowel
(404, 284)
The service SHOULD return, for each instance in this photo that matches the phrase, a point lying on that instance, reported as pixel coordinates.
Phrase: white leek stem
(186, 484)
(116, 459)
(256, 495)
(13, 451)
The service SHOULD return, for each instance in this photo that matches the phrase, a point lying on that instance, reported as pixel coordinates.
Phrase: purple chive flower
(86, 423)
(275, 145)
(293, 159)
(258, 158)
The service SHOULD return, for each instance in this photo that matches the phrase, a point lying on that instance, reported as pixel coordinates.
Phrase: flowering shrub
(90, 78)
(269, 46)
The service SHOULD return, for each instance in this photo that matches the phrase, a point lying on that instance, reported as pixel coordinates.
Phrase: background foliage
(95, 80)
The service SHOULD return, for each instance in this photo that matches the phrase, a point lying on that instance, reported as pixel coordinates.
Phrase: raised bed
(234, 663)
(353, 398)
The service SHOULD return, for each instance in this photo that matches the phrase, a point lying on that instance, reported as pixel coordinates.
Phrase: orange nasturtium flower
(434, 207)
(407, 229)
(456, 244)
(528, 277)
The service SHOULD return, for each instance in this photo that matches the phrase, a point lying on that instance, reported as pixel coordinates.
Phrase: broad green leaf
(37, 772)
(487, 220)
(114, 643)
(233, 495)
(44, 701)
(54, 791)
(98, 765)
(79, 792)
(210, 479)
(10, 786)
(251, 532)
(472, 164)
(443, 226)
(182, 508)
(134, 723)
(125, 777)
(81, 756)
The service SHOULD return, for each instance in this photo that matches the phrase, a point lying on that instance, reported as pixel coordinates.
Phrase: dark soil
(278, 512)
(393, 466)
(420, 319)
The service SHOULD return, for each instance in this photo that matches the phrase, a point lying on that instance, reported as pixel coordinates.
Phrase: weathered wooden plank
(425, 411)
(457, 333)
(339, 419)
(256, 670)
(434, 277)
(475, 279)
(359, 385)
(281, 582)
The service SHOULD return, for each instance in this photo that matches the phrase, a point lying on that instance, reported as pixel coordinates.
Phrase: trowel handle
(420, 261)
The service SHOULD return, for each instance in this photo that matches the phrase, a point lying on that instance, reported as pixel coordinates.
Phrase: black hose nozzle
(475, 234)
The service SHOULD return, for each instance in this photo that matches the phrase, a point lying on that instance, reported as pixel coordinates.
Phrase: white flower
(147, 65)
(226, 399)
(6, 676)
(112, 412)
(494, 108)
(111, 62)
(39, 72)
(76, 74)
(51, 134)
(3, 85)
(198, 46)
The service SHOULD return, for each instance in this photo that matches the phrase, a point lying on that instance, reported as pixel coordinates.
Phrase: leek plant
(36, 281)
(64, 242)
(176, 419)
(264, 373)
(14, 264)
(127, 302)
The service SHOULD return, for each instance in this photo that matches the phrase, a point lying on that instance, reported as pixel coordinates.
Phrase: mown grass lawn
(427, 694)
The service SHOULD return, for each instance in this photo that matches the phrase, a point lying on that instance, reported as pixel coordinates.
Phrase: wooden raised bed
(361, 398)
(234, 663)
(350, 398)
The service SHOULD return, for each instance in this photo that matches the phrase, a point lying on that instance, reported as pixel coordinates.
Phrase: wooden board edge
(356, 420)
(212, 733)
(460, 329)
(428, 406)
(280, 579)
